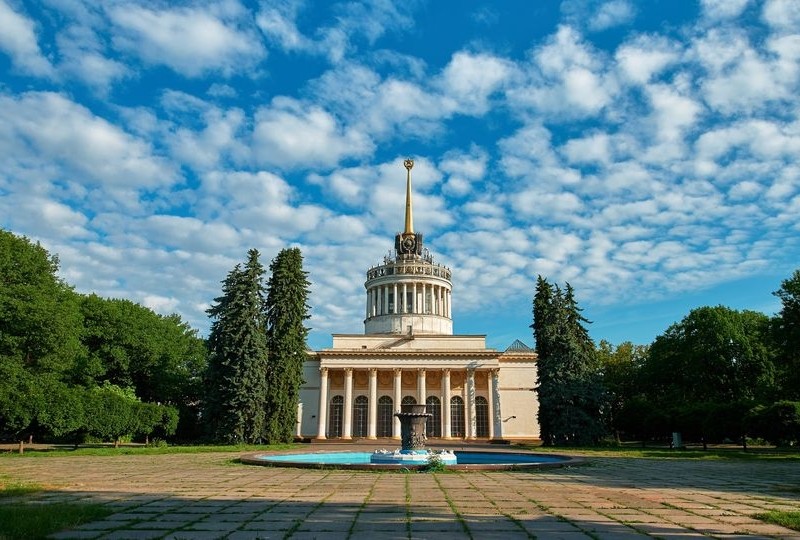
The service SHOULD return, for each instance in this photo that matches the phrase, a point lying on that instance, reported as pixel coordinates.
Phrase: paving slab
(205, 496)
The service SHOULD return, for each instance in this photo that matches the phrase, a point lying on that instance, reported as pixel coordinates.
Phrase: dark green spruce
(286, 311)
(569, 387)
(238, 357)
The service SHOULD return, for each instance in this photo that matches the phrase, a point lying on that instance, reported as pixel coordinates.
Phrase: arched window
(456, 416)
(335, 417)
(481, 417)
(360, 416)
(409, 400)
(433, 427)
(385, 416)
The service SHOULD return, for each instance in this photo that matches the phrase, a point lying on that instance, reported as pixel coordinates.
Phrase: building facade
(409, 354)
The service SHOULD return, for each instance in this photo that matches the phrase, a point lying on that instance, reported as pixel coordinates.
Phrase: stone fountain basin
(467, 461)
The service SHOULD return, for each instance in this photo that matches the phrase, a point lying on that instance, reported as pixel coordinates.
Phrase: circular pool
(467, 460)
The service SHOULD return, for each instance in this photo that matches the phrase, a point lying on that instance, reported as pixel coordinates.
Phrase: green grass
(752, 454)
(790, 520)
(62, 451)
(25, 521)
(10, 488)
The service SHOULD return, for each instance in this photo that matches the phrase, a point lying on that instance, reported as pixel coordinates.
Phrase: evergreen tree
(543, 326)
(569, 387)
(287, 293)
(238, 357)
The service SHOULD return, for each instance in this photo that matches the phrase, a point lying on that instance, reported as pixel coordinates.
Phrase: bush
(778, 423)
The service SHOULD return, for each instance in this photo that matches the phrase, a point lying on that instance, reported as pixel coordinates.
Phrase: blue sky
(646, 152)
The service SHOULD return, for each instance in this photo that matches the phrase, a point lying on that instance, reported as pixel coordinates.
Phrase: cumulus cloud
(610, 14)
(289, 133)
(18, 40)
(46, 126)
(191, 41)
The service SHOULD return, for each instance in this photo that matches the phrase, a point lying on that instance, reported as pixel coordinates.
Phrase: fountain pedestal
(413, 419)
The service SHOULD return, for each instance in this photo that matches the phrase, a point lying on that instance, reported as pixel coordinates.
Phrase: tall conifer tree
(287, 294)
(569, 389)
(238, 361)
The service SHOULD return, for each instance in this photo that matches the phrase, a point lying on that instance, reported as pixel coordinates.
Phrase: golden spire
(409, 217)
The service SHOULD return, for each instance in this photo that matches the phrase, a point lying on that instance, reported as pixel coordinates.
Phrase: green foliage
(620, 371)
(287, 293)
(714, 354)
(569, 387)
(56, 346)
(778, 423)
(238, 357)
(786, 331)
(39, 317)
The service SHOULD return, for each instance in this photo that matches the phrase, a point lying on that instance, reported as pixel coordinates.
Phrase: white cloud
(782, 14)
(470, 79)
(613, 13)
(289, 133)
(191, 41)
(567, 77)
(18, 40)
(44, 126)
(723, 9)
(646, 56)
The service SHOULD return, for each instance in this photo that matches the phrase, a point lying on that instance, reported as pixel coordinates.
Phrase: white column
(372, 431)
(414, 304)
(405, 299)
(449, 307)
(398, 397)
(396, 302)
(422, 391)
(385, 300)
(347, 427)
(322, 417)
(496, 425)
(470, 403)
(424, 298)
(446, 405)
(366, 313)
(438, 299)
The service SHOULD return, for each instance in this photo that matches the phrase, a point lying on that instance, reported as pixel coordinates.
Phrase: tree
(40, 323)
(620, 370)
(569, 387)
(238, 357)
(715, 354)
(287, 293)
(786, 330)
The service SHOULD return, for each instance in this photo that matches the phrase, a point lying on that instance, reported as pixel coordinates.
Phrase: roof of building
(518, 346)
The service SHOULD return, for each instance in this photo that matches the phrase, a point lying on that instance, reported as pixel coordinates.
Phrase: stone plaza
(205, 496)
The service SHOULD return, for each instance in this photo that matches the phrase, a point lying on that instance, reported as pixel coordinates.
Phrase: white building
(408, 354)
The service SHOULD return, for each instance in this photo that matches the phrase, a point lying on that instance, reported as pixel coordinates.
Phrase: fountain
(412, 441)
(412, 454)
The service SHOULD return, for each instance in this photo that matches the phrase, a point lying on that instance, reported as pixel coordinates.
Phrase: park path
(205, 496)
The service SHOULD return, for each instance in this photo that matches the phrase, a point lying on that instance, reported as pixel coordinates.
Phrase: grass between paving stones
(790, 520)
(514, 520)
(408, 505)
(361, 508)
(452, 506)
(25, 519)
(62, 451)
